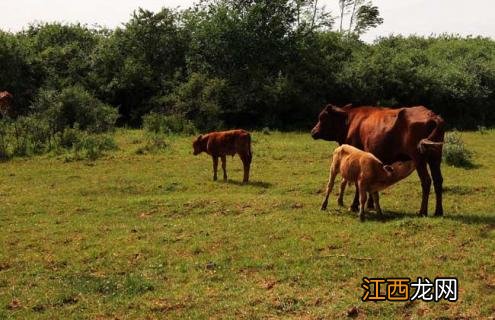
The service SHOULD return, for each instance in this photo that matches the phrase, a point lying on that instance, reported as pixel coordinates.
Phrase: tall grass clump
(168, 124)
(455, 152)
(158, 126)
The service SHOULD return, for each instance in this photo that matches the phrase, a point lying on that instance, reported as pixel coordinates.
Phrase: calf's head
(199, 145)
(332, 124)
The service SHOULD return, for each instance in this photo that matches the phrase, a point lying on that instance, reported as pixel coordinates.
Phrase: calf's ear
(388, 168)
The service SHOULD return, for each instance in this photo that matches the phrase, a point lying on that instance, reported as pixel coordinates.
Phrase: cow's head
(332, 124)
(198, 145)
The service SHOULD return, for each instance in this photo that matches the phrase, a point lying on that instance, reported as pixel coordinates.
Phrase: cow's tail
(432, 145)
(249, 151)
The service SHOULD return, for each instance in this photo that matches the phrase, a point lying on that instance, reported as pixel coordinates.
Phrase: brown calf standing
(224, 143)
(367, 172)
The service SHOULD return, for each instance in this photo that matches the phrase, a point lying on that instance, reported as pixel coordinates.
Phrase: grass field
(152, 237)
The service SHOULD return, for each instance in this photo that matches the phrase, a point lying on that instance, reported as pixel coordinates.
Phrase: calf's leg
(436, 174)
(340, 200)
(215, 167)
(362, 200)
(224, 167)
(331, 181)
(424, 176)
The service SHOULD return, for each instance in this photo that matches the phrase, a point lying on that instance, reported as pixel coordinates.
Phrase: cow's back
(390, 134)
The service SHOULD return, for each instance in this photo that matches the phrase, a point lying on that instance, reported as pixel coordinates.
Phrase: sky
(422, 17)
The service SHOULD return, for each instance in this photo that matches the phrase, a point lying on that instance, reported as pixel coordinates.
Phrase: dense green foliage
(229, 63)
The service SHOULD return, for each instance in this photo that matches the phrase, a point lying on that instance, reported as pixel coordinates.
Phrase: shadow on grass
(463, 190)
(258, 184)
(386, 216)
(390, 215)
(466, 165)
(488, 219)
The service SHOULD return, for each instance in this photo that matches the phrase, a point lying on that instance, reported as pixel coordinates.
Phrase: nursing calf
(225, 143)
(367, 172)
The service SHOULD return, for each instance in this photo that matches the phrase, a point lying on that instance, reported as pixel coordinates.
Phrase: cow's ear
(199, 137)
(347, 106)
(337, 110)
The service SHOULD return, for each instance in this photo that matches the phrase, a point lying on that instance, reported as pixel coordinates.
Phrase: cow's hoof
(379, 212)
(422, 214)
(353, 209)
(361, 216)
(439, 214)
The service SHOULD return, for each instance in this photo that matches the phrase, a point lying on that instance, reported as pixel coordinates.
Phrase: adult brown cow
(225, 143)
(414, 133)
(6, 99)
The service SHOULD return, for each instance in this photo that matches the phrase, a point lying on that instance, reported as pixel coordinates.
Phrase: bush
(28, 136)
(455, 152)
(70, 137)
(154, 143)
(160, 123)
(75, 107)
(32, 135)
(25, 137)
(84, 145)
(93, 146)
(5, 152)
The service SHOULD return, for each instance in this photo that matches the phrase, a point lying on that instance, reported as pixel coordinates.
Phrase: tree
(63, 51)
(140, 63)
(344, 6)
(367, 17)
(362, 16)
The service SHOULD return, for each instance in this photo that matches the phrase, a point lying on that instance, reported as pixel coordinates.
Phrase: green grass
(152, 236)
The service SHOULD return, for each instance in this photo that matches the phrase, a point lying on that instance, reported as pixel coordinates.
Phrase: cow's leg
(436, 174)
(362, 200)
(424, 176)
(246, 162)
(376, 199)
(215, 167)
(370, 204)
(340, 200)
(224, 167)
(355, 202)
